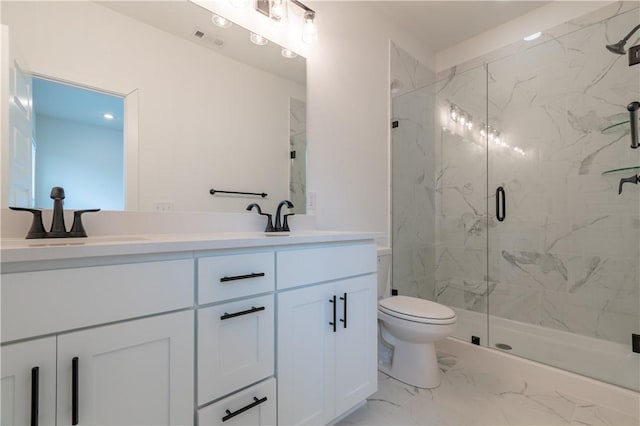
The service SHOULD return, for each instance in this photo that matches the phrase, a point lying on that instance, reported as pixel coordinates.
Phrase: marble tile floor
(470, 395)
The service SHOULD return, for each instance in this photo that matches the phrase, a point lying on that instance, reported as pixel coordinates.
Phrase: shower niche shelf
(616, 127)
(620, 170)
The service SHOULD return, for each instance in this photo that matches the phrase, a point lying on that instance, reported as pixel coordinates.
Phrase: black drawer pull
(74, 391)
(35, 391)
(344, 311)
(237, 314)
(242, 277)
(255, 403)
(333, 300)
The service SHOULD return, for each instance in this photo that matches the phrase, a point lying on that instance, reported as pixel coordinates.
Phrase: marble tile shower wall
(298, 143)
(413, 168)
(567, 256)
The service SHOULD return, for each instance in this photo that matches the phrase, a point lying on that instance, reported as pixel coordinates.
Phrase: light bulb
(309, 29)
(221, 22)
(288, 53)
(453, 113)
(278, 11)
(258, 39)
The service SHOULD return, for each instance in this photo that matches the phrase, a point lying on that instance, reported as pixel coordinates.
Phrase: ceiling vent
(208, 39)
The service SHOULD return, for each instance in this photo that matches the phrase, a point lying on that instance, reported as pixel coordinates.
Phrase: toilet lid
(415, 307)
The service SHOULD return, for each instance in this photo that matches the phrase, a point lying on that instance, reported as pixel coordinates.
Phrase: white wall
(189, 141)
(349, 115)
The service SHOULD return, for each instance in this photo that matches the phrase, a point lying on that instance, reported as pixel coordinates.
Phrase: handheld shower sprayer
(633, 120)
(619, 46)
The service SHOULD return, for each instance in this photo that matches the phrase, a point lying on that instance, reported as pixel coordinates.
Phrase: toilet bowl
(411, 326)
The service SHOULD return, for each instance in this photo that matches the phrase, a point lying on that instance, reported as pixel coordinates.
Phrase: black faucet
(285, 226)
(58, 229)
(269, 227)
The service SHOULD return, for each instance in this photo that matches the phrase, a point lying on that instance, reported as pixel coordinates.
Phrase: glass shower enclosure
(505, 205)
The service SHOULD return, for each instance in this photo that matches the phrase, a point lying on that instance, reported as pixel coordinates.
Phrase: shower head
(619, 46)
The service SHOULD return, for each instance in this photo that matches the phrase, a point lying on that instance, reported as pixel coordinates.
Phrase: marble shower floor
(469, 395)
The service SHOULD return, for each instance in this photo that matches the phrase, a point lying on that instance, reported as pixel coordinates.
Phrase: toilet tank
(384, 272)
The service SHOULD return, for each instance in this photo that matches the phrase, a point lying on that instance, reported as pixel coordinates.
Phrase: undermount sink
(61, 242)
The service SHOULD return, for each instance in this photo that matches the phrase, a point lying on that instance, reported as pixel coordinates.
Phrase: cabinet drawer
(36, 303)
(237, 275)
(253, 406)
(300, 267)
(235, 346)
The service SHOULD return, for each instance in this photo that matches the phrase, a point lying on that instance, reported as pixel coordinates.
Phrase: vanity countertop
(22, 250)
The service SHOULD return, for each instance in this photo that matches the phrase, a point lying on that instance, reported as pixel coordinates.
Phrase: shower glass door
(439, 218)
(563, 264)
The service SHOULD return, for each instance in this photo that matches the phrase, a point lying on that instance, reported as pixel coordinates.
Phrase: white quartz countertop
(22, 250)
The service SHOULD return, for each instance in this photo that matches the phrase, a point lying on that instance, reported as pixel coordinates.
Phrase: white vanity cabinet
(236, 337)
(326, 333)
(255, 331)
(115, 355)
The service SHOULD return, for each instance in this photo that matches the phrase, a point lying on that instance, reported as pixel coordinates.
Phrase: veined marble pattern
(298, 143)
(407, 73)
(472, 395)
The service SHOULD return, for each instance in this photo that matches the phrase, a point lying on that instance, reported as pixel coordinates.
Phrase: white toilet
(409, 327)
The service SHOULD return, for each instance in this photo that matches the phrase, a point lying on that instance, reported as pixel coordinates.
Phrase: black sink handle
(77, 229)
(37, 228)
(633, 179)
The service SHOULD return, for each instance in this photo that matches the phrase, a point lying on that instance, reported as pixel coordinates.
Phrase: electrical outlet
(634, 55)
(163, 206)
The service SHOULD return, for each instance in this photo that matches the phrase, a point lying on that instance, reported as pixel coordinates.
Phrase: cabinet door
(356, 351)
(235, 346)
(22, 364)
(133, 373)
(305, 356)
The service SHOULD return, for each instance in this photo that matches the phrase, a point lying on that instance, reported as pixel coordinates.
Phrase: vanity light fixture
(453, 113)
(309, 29)
(108, 116)
(221, 22)
(533, 36)
(258, 39)
(277, 11)
(288, 53)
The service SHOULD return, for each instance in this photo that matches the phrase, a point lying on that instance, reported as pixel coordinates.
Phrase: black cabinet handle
(237, 314)
(242, 277)
(255, 403)
(74, 391)
(35, 391)
(333, 300)
(344, 310)
(501, 204)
